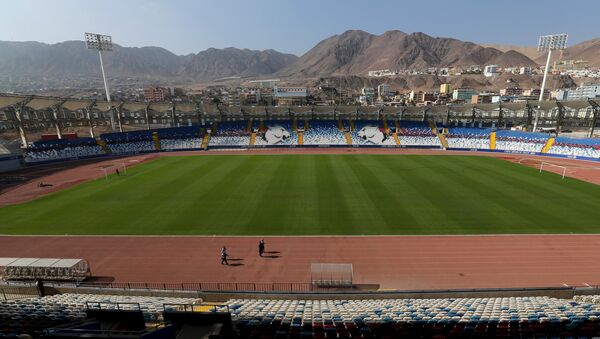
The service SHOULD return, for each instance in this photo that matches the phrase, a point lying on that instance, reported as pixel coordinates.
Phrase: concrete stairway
(548, 144)
(104, 146)
(493, 140)
(156, 141)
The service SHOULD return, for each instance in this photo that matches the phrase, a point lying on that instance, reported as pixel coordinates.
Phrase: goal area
(544, 166)
(562, 170)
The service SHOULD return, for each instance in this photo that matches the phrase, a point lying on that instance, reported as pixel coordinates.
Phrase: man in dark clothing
(224, 256)
(117, 171)
(261, 247)
(39, 284)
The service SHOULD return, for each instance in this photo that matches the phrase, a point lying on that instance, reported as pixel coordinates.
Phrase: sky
(292, 26)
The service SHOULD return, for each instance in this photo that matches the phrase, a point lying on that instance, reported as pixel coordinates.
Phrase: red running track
(393, 262)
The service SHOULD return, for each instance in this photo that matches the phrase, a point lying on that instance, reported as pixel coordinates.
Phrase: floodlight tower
(101, 43)
(549, 43)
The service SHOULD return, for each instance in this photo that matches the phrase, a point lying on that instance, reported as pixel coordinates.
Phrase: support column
(56, 123)
(529, 115)
(596, 109)
(500, 116)
(561, 115)
(119, 118)
(537, 113)
(146, 110)
(88, 114)
(173, 122)
(22, 134)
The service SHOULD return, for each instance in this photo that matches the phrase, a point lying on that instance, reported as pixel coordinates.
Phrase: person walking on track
(224, 256)
(261, 247)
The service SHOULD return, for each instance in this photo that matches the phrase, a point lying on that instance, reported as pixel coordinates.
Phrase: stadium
(378, 222)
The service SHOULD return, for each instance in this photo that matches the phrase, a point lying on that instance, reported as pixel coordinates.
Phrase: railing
(14, 292)
(19, 289)
(204, 307)
(217, 286)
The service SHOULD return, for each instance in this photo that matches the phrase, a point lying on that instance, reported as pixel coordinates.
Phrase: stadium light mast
(101, 43)
(549, 43)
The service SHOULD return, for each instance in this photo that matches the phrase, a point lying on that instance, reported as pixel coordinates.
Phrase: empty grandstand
(311, 133)
(311, 316)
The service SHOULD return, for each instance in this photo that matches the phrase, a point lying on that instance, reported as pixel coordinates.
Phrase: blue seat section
(129, 142)
(503, 134)
(181, 138)
(415, 128)
(180, 132)
(589, 148)
(230, 133)
(520, 141)
(416, 133)
(466, 132)
(324, 132)
(42, 151)
(465, 137)
(576, 142)
(131, 136)
(62, 143)
(33, 315)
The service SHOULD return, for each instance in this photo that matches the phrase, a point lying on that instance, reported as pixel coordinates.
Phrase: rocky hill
(357, 52)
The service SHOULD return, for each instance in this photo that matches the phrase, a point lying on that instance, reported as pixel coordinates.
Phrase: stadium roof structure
(100, 112)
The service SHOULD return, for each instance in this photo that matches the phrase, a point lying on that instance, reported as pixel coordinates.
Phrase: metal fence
(217, 286)
(14, 289)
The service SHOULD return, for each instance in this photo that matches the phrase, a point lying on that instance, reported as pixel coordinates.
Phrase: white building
(490, 70)
(526, 70)
(580, 93)
(383, 90)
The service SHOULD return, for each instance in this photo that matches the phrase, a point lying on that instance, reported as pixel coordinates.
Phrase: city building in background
(383, 90)
(289, 95)
(491, 70)
(445, 89)
(157, 94)
(589, 91)
(462, 94)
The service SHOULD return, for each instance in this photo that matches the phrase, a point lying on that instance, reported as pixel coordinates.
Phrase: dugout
(44, 268)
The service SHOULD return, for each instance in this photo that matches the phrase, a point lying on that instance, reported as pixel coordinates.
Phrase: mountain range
(71, 59)
(352, 53)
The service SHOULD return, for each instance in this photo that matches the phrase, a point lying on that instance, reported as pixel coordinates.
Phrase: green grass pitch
(318, 195)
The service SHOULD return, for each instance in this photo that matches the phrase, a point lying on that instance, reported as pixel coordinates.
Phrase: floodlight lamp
(552, 42)
(98, 42)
